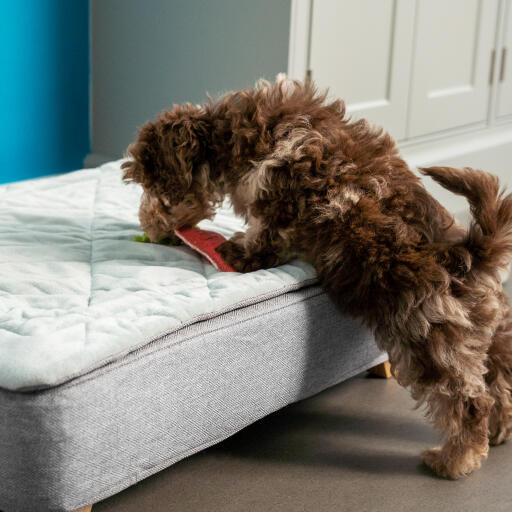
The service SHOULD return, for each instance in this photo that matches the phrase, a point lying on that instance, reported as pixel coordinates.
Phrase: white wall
(145, 56)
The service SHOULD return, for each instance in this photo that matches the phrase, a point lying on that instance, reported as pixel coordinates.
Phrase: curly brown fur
(311, 183)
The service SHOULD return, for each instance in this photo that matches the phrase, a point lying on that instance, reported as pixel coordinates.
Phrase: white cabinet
(450, 84)
(504, 97)
(419, 68)
(361, 50)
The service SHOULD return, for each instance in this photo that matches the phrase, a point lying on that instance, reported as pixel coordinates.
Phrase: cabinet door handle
(491, 72)
(502, 65)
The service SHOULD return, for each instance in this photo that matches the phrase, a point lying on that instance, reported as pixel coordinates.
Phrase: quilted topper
(77, 293)
(205, 242)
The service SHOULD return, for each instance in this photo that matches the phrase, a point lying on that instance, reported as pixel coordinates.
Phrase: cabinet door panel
(504, 103)
(362, 52)
(450, 86)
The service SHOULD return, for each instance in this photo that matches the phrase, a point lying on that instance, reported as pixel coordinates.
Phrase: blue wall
(44, 87)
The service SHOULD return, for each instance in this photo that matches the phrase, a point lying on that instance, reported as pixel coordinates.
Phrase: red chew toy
(205, 242)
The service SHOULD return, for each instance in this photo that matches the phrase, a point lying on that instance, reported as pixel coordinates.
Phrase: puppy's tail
(489, 237)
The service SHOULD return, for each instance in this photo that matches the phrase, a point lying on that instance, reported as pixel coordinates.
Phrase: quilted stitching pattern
(76, 291)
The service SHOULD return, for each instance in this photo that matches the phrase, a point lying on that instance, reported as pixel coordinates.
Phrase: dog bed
(118, 358)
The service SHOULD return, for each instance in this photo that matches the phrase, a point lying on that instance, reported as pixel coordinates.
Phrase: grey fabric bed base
(75, 444)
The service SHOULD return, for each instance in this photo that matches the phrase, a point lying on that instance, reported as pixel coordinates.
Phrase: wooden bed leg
(85, 509)
(382, 370)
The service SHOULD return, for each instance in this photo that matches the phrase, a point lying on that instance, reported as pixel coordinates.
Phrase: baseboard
(489, 149)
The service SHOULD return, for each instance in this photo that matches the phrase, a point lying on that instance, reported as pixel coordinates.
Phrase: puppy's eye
(189, 202)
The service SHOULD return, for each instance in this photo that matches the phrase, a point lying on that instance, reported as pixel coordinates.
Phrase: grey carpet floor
(353, 447)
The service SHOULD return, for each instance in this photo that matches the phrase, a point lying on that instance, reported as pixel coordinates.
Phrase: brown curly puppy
(312, 184)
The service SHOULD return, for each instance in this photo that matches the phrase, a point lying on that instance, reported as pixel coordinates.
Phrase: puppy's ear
(129, 168)
(168, 151)
(143, 156)
(186, 139)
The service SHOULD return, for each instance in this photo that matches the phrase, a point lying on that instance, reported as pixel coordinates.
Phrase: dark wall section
(148, 55)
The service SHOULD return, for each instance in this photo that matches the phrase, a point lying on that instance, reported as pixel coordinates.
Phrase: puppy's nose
(155, 235)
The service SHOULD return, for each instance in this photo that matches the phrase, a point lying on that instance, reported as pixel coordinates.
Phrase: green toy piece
(141, 238)
(165, 241)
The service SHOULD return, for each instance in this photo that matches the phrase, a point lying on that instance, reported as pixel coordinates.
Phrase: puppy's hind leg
(499, 380)
(454, 389)
(445, 370)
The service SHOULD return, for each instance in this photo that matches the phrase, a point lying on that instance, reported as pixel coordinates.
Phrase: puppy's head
(169, 159)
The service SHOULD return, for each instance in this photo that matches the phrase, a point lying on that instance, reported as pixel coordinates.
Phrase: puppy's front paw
(234, 254)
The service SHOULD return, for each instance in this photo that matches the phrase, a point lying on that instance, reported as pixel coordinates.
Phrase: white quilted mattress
(76, 292)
